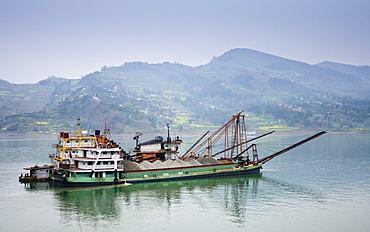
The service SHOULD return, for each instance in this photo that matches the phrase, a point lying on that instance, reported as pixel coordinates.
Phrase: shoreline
(3, 135)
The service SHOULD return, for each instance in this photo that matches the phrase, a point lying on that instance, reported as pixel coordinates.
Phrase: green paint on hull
(83, 179)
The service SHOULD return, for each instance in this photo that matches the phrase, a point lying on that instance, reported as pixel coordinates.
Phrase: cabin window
(111, 162)
(68, 141)
(90, 163)
(98, 163)
(105, 162)
(86, 141)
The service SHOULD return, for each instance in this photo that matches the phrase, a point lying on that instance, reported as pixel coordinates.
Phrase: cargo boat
(91, 160)
(37, 174)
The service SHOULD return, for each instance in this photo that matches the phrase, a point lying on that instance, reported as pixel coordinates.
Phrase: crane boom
(270, 157)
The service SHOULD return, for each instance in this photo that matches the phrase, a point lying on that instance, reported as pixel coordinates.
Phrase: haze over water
(323, 185)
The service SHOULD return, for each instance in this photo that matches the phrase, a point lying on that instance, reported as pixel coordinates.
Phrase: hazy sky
(40, 38)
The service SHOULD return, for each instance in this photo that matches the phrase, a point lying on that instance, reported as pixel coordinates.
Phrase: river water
(323, 185)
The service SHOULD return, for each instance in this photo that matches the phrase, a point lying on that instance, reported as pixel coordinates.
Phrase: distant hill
(23, 98)
(359, 71)
(274, 92)
(355, 79)
(334, 78)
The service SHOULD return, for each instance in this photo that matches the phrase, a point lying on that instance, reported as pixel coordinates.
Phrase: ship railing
(56, 146)
(176, 139)
(55, 157)
(118, 156)
(74, 135)
(52, 156)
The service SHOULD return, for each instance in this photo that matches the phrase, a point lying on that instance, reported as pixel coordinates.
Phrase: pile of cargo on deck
(178, 163)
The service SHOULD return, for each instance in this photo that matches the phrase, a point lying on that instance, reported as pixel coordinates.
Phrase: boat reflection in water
(234, 197)
(37, 186)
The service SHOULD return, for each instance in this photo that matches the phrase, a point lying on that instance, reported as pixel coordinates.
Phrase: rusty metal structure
(232, 135)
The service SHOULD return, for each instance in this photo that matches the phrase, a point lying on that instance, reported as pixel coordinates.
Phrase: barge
(88, 160)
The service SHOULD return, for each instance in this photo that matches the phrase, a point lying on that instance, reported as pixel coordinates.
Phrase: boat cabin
(36, 173)
(158, 149)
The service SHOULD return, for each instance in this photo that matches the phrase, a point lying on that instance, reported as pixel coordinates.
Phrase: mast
(233, 134)
(243, 143)
(78, 127)
(168, 133)
(136, 138)
(194, 145)
(106, 130)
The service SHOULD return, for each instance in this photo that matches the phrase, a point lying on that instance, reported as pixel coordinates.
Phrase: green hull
(169, 174)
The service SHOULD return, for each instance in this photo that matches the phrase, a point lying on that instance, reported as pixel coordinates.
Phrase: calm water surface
(323, 185)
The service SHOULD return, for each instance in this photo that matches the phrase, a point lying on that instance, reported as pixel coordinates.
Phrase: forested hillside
(274, 92)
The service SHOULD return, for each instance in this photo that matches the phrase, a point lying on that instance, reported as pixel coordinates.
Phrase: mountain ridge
(140, 96)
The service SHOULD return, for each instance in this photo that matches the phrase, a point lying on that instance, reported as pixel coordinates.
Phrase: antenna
(106, 130)
(168, 133)
(136, 138)
(78, 127)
